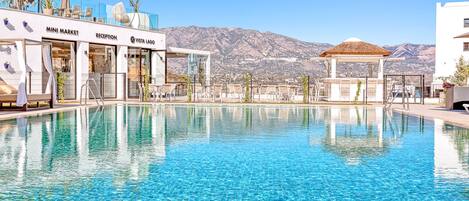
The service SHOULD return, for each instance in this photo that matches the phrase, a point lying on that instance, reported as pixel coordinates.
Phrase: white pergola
(354, 50)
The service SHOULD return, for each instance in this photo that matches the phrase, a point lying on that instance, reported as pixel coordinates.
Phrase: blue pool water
(177, 152)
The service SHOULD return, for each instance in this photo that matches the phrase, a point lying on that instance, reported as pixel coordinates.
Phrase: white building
(116, 48)
(452, 39)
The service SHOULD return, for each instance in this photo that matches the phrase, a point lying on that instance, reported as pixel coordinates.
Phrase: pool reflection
(124, 141)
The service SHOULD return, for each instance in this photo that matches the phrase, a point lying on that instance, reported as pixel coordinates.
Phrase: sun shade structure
(354, 50)
(355, 46)
(14, 77)
(196, 59)
(464, 35)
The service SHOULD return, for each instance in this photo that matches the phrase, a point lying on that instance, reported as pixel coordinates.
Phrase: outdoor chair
(67, 13)
(271, 91)
(76, 13)
(168, 91)
(119, 13)
(155, 91)
(235, 91)
(59, 12)
(217, 91)
(88, 14)
(284, 92)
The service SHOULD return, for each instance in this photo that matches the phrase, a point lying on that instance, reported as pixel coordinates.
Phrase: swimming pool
(180, 152)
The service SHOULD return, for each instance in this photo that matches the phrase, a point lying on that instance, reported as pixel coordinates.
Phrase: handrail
(99, 102)
(391, 97)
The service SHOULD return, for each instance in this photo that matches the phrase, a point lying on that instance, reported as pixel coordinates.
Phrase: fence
(90, 10)
(404, 89)
(110, 86)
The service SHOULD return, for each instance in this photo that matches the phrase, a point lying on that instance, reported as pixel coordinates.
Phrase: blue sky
(379, 21)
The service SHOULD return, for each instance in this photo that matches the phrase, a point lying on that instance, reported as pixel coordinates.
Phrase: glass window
(102, 68)
(102, 59)
(466, 46)
(466, 22)
(139, 65)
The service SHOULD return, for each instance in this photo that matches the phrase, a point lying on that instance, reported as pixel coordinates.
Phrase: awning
(22, 68)
(465, 35)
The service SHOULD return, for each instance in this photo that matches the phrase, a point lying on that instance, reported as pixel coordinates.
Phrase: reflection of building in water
(451, 152)
(355, 133)
(70, 147)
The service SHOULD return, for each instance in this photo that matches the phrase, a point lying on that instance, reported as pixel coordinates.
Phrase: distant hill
(274, 57)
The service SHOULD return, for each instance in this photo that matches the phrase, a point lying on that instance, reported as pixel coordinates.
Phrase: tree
(462, 73)
(135, 4)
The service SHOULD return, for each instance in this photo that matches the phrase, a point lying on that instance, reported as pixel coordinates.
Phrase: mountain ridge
(271, 56)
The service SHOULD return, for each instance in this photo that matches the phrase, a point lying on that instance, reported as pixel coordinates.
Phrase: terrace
(108, 12)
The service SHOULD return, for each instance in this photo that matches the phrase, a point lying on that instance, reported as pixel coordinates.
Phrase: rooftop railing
(99, 11)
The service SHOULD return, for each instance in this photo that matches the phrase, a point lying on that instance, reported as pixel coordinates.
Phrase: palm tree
(135, 4)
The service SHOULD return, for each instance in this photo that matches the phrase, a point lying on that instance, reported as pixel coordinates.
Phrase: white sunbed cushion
(6, 89)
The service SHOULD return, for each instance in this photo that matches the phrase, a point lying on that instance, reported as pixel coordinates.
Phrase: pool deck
(430, 111)
(456, 117)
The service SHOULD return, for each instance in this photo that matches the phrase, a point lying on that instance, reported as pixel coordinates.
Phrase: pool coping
(70, 107)
(422, 114)
(74, 106)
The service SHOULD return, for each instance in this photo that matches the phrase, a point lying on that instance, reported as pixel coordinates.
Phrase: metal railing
(99, 101)
(99, 11)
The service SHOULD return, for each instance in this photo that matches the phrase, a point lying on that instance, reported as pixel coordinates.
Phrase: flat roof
(175, 52)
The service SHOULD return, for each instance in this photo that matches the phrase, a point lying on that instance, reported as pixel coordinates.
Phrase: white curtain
(47, 61)
(21, 98)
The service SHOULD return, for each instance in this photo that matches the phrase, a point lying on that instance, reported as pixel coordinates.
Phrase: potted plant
(48, 7)
(138, 19)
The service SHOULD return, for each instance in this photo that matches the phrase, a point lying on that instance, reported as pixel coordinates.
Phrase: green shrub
(359, 90)
(60, 86)
(305, 84)
(247, 85)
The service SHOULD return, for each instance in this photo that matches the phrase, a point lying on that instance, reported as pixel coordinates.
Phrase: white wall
(82, 66)
(122, 68)
(158, 67)
(449, 24)
(37, 30)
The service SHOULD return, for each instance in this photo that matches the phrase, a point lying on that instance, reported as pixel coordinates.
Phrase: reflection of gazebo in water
(360, 135)
(354, 50)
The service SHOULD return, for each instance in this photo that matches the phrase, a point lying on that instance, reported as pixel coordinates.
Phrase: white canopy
(22, 70)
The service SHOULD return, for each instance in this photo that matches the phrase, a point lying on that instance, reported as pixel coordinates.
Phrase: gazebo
(354, 50)
(354, 134)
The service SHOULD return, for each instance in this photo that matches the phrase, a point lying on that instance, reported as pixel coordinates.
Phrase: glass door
(102, 67)
(63, 63)
(139, 66)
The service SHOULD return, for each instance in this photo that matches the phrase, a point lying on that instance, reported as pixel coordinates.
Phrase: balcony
(98, 11)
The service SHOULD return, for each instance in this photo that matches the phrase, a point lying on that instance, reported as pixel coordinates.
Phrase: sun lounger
(33, 98)
(8, 95)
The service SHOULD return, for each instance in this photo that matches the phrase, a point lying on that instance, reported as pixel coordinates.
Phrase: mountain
(276, 58)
